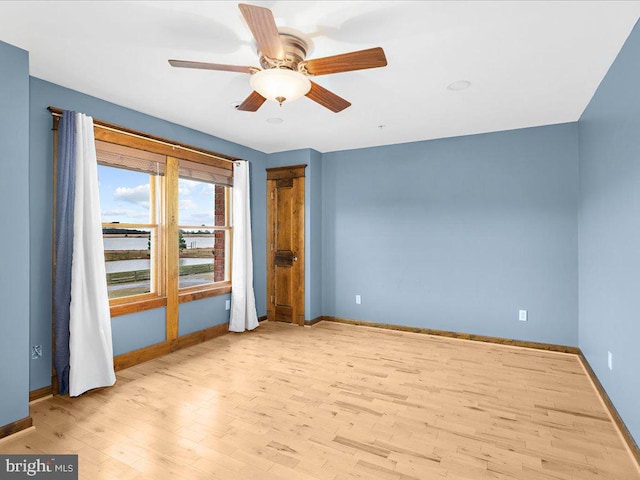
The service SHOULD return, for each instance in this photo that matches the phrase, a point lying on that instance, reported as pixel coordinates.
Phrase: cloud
(207, 189)
(124, 216)
(185, 187)
(199, 218)
(195, 187)
(138, 195)
(196, 202)
(188, 204)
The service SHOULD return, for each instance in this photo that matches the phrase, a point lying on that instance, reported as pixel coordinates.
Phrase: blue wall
(14, 247)
(314, 277)
(456, 234)
(44, 94)
(205, 313)
(138, 330)
(610, 231)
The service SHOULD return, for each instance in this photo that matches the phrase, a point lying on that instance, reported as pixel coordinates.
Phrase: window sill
(124, 307)
(134, 306)
(197, 293)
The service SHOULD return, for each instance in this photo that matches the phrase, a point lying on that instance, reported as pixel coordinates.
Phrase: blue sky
(124, 198)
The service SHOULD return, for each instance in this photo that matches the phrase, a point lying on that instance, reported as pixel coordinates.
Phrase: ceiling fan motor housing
(295, 51)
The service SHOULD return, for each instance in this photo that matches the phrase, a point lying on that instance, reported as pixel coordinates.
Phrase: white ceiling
(529, 63)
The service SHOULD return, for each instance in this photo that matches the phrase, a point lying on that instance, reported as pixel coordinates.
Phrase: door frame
(297, 174)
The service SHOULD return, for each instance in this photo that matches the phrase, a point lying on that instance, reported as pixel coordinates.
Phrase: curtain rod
(57, 112)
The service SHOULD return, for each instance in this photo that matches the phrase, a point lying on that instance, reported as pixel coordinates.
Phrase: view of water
(141, 243)
(130, 265)
(122, 288)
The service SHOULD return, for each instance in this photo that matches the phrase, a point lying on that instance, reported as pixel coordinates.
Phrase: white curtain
(243, 302)
(90, 343)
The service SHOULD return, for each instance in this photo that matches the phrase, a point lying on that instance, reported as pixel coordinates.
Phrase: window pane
(202, 257)
(128, 253)
(196, 202)
(124, 195)
(203, 250)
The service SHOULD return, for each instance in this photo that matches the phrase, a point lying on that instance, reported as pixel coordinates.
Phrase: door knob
(295, 259)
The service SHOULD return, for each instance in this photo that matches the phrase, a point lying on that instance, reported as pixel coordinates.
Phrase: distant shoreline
(145, 235)
(118, 255)
(125, 235)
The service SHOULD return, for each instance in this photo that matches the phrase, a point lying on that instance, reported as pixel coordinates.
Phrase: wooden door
(285, 244)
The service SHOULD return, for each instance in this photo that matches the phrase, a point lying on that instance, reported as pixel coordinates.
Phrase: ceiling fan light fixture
(280, 84)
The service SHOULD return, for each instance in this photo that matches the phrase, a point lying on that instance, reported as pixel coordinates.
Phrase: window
(129, 231)
(139, 193)
(203, 233)
(130, 184)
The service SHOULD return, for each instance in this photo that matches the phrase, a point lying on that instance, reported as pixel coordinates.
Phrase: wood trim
(129, 359)
(156, 195)
(139, 306)
(271, 218)
(145, 354)
(171, 253)
(40, 393)
(624, 431)
(205, 172)
(299, 239)
(461, 336)
(204, 227)
(16, 426)
(228, 207)
(311, 323)
(262, 318)
(204, 293)
(289, 171)
(115, 135)
(112, 133)
(200, 336)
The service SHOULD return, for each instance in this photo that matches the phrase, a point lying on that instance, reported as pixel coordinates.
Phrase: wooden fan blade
(327, 98)
(252, 103)
(264, 30)
(346, 62)
(209, 66)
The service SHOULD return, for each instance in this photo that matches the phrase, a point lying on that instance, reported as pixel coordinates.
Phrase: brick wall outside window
(218, 243)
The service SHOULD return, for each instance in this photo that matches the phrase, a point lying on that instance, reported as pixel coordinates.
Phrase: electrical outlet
(36, 352)
(610, 360)
(358, 299)
(522, 315)
(227, 305)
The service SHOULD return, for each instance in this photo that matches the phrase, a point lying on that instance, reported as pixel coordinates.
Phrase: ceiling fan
(285, 72)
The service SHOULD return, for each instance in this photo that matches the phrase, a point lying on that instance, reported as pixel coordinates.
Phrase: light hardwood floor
(338, 401)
